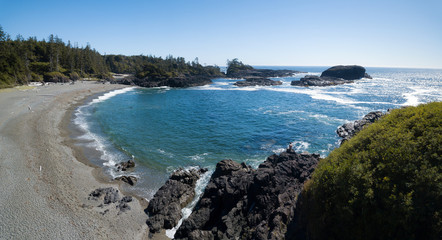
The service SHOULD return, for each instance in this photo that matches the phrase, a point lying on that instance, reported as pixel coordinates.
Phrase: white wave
(413, 98)
(198, 157)
(96, 141)
(112, 94)
(199, 189)
(300, 146)
(168, 154)
(278, 150)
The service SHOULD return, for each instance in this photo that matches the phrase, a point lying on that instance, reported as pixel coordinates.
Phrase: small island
(336, 75)
(253, 76)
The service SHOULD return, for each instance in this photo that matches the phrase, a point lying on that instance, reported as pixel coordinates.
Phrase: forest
(52, 60)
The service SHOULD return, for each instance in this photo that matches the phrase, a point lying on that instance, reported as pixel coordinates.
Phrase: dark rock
(165, 208)
(123, 206)
(257, 82)
(262, 73)
(131, 180)
(123, 166)
(242, 203)
(348, 130)
(312, 80)
(333, 76)
(110, 195)
(349, 72)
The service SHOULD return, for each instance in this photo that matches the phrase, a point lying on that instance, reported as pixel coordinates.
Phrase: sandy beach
(44, 185)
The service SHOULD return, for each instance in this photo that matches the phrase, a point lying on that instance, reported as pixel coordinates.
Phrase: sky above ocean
(389, 33)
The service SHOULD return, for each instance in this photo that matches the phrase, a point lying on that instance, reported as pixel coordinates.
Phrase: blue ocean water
(165, 128)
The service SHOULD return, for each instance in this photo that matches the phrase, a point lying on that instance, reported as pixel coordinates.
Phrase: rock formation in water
(164, 209)
(131, 180)
(348, 130)
(333, 76)
(249, 82)
(351, 72)
(244, 203)
(124, 166)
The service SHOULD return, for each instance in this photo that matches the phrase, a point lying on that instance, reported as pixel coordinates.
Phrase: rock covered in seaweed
(164, 209)
(241, 202)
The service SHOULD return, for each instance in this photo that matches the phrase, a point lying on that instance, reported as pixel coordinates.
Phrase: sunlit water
(164, 129)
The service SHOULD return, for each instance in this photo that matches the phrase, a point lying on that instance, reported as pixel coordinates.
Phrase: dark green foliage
(22, 61)
(158, 68)
(235, 66)
(385, 183)
(55, 77)
(74, 76)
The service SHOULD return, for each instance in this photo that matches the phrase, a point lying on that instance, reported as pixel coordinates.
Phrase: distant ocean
(163, 129)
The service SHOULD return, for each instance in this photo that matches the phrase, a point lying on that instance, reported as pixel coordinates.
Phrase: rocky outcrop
(243, 203)
(178, 82)
(349, 72)
(257, 82)
(131, 180)
(260, 73)
(123, 166)
(164, 209)
(333, 76)
(348, 130)
(312, 80)
(110, 197)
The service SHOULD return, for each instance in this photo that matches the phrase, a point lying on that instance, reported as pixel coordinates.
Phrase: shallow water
(164, 129)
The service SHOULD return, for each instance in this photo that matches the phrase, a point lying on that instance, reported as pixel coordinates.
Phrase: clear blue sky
(391, 33)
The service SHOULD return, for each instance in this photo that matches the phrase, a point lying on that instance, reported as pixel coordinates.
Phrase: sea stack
(336, 75)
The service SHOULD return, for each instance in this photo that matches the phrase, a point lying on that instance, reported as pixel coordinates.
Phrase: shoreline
(46, 180)
(79, 153)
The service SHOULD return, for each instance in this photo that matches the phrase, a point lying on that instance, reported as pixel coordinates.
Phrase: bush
(385, 183)
(74, 76)
(55, 77)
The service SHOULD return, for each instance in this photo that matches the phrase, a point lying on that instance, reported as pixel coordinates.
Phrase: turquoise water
(164, 129)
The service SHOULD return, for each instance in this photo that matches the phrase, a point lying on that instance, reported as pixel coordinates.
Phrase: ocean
(164, 129)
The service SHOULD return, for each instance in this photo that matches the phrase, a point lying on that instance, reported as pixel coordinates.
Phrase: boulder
(164, 209)
(131, 180)
(348, 72)
(123, 166)
(257, 82)
(109, 195)
(240, 202)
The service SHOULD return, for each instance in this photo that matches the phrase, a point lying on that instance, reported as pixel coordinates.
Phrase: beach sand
(44, 185)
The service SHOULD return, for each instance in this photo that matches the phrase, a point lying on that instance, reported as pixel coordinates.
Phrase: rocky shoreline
(240, 202)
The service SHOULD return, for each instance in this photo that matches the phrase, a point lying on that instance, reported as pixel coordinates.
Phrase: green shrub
(74, 76)
(55, 77)
(385, 183)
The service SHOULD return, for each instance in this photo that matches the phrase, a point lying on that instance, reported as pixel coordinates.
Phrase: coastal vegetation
(384, 183)
(234, 66)
(52, 60)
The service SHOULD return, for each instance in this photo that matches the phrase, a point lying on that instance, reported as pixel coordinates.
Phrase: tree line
(52, 60)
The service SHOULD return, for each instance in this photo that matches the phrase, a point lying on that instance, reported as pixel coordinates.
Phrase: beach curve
(44, 186)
